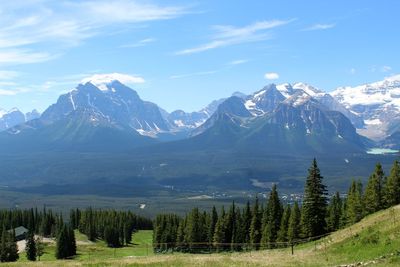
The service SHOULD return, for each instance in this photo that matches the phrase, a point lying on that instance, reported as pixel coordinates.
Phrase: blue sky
(184, 54)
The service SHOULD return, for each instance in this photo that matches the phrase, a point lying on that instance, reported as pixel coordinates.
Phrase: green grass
(376, 238)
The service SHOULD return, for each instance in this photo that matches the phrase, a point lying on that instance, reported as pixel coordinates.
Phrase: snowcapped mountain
(111, 101)
(378, 104)
(181, 120)
(269, 97)
(13, 117)
(280, 119)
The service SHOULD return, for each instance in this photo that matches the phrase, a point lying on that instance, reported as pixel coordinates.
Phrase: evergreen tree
(213, 222)
(373, 197)
(294, 223)
(220, 232)
(284, 227)
(314, 204)
(392, 192)
(334, 213)
(11, 247)
(30, 247)
(246, 224)
(255, 226)
(62, 243)
(194, 228)
(8, 247)
(273, 220)
(354, 205)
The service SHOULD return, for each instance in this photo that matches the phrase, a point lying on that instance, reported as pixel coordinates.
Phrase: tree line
(42, 223)
(274, 223)
(114, 227)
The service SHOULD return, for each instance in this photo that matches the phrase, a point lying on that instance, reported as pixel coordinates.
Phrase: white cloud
(317, 27)
(23, 56)
(7, 92)
(139, 43)
(109, 77)
(227, 35)
(238, 62)
(386, 69)
(8, 75)
(39, 30)
(353, 71)
(271, 76)
(129, 11)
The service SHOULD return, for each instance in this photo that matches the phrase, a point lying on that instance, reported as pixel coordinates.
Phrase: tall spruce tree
(373, 196)
(354, 204)
(294, 223)
(334, 213)
(392, 192)
(213, 222)
(314, 207)
(220, 232)
(62, 243)
(273, 219)
(8, 246)
(246, 223)
(30, 247)
(283, 228)
(255, 226)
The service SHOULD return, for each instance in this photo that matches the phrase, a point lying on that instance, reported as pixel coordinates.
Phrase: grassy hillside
(374, 240)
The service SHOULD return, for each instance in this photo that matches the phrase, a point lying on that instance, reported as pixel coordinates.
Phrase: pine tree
(314, 204)
(30, 247)
(61, 244)
(294, 223)
(211, 228)
(354, 205)
(392, 192)
(334, 213)
(220, 232)
(3, 246)
(255, 226)
(373, 197)
(246, 223)
(194, 229)
(273, 220)
(12, 247)
(283, 229)
(71, 242)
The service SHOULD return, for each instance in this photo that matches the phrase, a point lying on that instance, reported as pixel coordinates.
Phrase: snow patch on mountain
(378, 104)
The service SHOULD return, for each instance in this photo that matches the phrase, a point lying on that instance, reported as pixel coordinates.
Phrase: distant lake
(380, 151)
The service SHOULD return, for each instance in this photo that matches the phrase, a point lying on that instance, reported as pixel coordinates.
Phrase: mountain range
(101, 134)
(284, 119)
(14, 117)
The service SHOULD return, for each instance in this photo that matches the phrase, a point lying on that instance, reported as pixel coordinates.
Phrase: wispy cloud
(5, 92)
(227, 35)
(318, 27)
(380, 69)
(38, 30)
(129, 11)
(238, 62)
(8, 75)
(271, 76)
(139, 43)
(386, 68)
(352, 71)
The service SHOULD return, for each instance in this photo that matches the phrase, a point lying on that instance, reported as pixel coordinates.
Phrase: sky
(184, 54)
